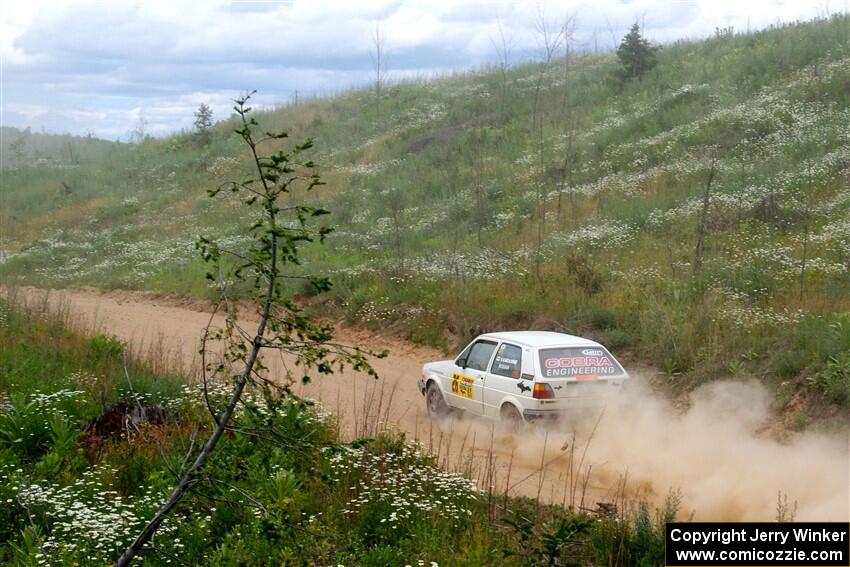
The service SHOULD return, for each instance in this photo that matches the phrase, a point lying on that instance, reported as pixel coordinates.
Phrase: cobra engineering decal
(462, 386)
(578, 363)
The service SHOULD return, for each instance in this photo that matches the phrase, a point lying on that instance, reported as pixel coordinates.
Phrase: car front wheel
(434, 401)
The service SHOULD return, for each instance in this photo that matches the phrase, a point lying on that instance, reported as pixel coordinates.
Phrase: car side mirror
(461, 362)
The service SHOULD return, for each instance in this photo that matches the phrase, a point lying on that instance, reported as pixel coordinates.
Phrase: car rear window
(508, 361)
(578, 362)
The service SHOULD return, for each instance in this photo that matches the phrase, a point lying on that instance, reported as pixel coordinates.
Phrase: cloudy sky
(103, 66)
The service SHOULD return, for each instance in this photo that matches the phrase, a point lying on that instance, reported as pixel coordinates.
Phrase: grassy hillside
(282, 488)
(539, 196)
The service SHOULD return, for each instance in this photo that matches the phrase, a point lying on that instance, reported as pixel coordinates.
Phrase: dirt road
(639, 446)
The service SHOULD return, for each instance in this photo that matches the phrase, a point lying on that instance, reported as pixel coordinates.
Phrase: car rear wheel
(434, 401)
(511, 417)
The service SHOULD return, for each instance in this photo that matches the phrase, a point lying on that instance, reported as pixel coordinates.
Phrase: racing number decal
(462, 385)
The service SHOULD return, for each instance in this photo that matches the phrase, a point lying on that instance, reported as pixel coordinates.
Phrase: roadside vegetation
(695, 214)
(79, 477)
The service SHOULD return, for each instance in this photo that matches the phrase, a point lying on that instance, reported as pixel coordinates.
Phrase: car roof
(540, 339)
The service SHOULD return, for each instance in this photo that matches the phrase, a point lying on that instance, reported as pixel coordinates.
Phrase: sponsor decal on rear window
(581, 363)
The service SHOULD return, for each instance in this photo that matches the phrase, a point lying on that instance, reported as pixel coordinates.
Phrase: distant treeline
(19, 147)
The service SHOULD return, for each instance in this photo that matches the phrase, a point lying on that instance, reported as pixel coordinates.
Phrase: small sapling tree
(263, 265)
(203, 122)
(379, 62)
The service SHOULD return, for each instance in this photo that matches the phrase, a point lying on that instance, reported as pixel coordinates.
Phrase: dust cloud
(712, 453)
(642, 447)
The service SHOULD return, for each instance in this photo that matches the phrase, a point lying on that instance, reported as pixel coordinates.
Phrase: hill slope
(697, 217)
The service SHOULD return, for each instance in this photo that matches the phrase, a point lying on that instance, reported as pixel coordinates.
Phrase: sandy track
(173, 327)
(724, 470)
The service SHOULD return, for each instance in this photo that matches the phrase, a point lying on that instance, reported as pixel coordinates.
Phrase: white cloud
(29, 111)
(14, 20)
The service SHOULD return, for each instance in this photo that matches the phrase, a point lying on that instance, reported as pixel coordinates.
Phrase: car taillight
(543, 391)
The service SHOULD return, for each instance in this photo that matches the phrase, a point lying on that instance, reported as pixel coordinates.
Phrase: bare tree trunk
(399, 250)
(503, 47)
(703, 220)
(568, 130)
(670, 256)
(803, 263)
(379, 62)
(805, 247)
(71, 157)
(551, 44)
(741, 196)
(567, 169)
(479, 188)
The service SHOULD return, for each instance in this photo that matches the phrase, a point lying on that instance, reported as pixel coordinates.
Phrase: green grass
(441, 188)
(281, 489)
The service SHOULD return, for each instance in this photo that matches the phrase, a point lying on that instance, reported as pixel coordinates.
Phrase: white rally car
(521, 376)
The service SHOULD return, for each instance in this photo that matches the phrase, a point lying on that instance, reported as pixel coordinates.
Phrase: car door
(504, 378)
(467, 380)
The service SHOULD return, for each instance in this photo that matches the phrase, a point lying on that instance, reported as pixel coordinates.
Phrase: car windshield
(578, 362)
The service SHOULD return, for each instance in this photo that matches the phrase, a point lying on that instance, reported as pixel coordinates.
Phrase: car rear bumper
(577, 407)
(541, 415)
